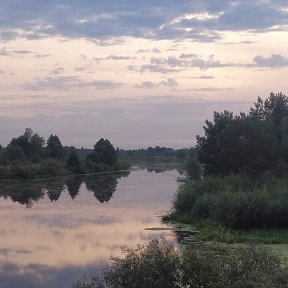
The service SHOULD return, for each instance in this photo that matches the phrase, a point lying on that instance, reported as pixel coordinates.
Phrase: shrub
(52, 167)
(160, 265)
(235, 201)
(153, 265)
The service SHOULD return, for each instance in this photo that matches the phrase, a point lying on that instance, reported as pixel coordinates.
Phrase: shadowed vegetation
(158, 264)
(29, 156)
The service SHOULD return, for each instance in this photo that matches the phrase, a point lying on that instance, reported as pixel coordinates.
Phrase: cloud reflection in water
(65, 233)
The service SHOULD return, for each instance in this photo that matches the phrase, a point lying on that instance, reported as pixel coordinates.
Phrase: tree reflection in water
(23, 194)
(26, 193)
(54, 190)
(73, 185)
(103, 185)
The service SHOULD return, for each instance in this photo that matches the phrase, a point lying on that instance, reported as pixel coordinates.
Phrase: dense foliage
(155, 155)
(27, 157)
(245, 163)
(235, 201)
(160, 265)
(247, 143)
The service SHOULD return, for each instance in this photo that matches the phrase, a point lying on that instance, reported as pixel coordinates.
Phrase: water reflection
(60, 239)
(103, 186)
(26, 193)
(73, 185)
(23, 194)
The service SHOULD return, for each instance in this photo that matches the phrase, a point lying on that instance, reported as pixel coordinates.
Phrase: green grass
(206, 231)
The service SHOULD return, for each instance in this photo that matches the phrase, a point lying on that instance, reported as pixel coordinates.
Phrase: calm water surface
(55, 232)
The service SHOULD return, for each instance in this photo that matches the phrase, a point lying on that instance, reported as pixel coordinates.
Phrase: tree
(273, 110)
(105, 152)
(31, 144)
(14, 153)
(193, 169)
(54, 147)
(73, 163)
(247, 143)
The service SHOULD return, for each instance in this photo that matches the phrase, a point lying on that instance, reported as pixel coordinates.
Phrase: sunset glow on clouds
(140, 73)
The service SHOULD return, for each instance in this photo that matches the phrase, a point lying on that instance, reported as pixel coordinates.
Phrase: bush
(160, 265)
(156, 265)
(52, 167)
(220, 266)
(235, 201)
(21, 172)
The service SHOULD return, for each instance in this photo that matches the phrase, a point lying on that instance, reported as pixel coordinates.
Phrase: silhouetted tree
(31, 144)
(73, 163)
(54, 147)
(105, 152)
(247, 143)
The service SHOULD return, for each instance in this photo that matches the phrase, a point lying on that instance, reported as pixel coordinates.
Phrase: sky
(140, 73)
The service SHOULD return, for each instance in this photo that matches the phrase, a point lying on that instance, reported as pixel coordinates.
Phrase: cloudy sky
(140, 73)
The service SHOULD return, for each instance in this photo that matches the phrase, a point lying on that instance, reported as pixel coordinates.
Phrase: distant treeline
(156, 155)
(30, 156)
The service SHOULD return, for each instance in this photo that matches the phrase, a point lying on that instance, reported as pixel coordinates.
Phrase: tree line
(239, 180)
(250, 143)
(30, 156)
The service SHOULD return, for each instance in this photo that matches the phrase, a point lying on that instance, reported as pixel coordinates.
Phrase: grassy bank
(236, 202)
(235, 209)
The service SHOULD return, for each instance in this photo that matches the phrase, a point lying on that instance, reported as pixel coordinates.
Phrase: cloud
(100, 84)
(105, 22)
(154, 68)
(58, 70)
(274, 61)
(21, 52)
(113, 57)
(70, 82)
(42, 55)
(204, 77)
(169, 82)
(117, 58)
(6, 52)
(154, 50)
(174, 63)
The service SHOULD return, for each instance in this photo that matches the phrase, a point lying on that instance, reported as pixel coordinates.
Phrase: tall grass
(235, 201)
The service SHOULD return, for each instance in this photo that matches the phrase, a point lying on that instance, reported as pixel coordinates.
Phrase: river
(52, 233)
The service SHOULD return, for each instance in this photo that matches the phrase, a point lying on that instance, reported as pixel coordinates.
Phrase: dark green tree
(54, 148)
(247, 143)
(31, 144)
(13, 153)
(193, 169)
(105, 151)
(73, 163)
